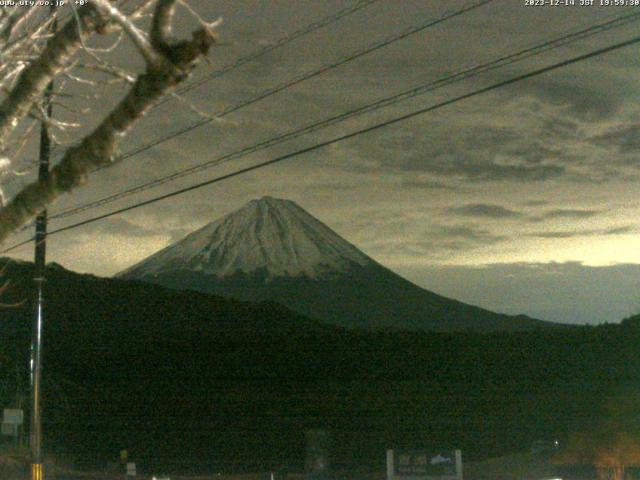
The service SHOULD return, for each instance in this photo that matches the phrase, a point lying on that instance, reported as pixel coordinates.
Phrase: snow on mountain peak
(271, 235)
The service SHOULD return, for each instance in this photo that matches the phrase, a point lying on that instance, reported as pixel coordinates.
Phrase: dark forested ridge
(193, 381)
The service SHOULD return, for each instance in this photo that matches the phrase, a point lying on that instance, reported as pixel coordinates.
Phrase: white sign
(131, 469)
(423, 465)
(13, 415)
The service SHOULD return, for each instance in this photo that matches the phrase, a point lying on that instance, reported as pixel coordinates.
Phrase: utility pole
(36, 339)
(35, 433)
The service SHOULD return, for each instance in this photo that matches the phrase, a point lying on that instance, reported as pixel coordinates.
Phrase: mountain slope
(272, 249)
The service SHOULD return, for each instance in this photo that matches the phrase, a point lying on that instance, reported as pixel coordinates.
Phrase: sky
(519, 200)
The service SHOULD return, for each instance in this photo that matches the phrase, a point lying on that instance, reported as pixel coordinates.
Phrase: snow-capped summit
(273, 236)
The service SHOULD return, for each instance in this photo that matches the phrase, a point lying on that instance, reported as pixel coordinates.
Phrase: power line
(303, 77)
(306, 30)
(413, 92)
(348, 136)
(312, 27)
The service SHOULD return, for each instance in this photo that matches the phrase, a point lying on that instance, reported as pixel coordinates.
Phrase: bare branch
(211, 26)
(111, 70)
(108, 49)
(27, 41)
(34, 79)
(161, 25)
(23, 142)
(99, 147)
(194, 108)
(137, 36)
(4, 288)
(141, 10)
(14, 20)
(70, 109)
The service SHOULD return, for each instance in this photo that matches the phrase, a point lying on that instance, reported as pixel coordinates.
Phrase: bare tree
(611, 443)
(610, 452)
(32, 54)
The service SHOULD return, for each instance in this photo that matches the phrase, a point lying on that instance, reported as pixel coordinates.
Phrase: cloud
(620, 230)
(484, 210)
(625, 139)
(493, 171)
(535, 133)
(467, 234)
(582, 97)
(466, 149)
(570, 213)
(122, 227)
(585, 233)
(427, 184)
(565, 213)
(563, 234)
(437, 243)
(566, 292)
(540, 139)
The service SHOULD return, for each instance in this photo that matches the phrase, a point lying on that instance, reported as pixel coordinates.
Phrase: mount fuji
(273, 250)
